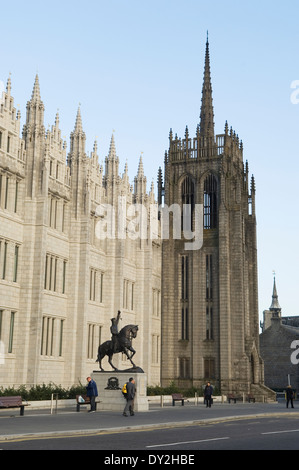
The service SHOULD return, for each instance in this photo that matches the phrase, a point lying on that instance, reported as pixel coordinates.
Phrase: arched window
(187, 192)
(210, 203)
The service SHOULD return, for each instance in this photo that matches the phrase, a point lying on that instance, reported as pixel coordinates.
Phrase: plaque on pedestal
(110, 386)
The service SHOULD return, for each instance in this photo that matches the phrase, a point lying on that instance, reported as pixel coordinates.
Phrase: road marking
(280, 432)
(188, 442)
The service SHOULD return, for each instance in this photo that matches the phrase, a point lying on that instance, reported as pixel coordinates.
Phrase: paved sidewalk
(68, 421)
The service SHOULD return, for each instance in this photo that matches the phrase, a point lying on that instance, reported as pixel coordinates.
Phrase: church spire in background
(275, 304)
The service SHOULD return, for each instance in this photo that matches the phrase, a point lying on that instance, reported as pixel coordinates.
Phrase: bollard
(52, 400)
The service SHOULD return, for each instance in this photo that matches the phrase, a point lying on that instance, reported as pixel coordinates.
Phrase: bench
(250, 398)
(86, 401)
(13, 402)
(177, 397)
(232, 397)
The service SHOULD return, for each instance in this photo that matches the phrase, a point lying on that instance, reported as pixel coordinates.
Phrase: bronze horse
(123, 344)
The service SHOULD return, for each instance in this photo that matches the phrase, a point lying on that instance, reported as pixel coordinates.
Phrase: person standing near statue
(114, 331)
(92, 393)
(131, 390)
(208, 393)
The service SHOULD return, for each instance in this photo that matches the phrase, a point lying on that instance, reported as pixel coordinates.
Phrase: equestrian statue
(120, 342)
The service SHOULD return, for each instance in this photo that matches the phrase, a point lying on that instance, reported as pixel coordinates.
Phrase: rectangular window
(156, 296)
(51, 265)
(209, 368)
(185, 323)
(209, 323)
(8, 144)
(47, 342)
(155, 349)
(209, 278)
(1, 319)
(53, 209)
(128, 295)
(101, 287)
(209, 297)
(184, 367)
(185, 279)
(1, 137)
(92, 280)
(63, 217)
(55, 213)
(16, 260)
(184, 298)
(55, 274)
(46, 272)
(96, 279)
(16, 196)
(6, 194)
(90, 341)
(4, 260)
(50, 211)
(63, 276)
(11, 332)
(94, 333)
(61, 337)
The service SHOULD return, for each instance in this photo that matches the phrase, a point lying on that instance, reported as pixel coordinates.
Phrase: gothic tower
(209, 292)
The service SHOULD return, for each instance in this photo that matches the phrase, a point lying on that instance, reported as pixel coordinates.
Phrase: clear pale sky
(136, 67)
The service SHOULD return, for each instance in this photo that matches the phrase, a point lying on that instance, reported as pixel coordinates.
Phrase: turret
(77, 162)
(34, 137)
(140, 183)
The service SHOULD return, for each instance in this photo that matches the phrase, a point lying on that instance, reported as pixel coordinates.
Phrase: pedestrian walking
(208, 394)
(131, 390)
(289, 396)
(92, 393)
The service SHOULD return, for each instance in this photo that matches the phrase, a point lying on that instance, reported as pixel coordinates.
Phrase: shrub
(43, 392)
(173, 388)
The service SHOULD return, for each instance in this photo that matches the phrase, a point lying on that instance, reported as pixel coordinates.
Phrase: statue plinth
(110, 384)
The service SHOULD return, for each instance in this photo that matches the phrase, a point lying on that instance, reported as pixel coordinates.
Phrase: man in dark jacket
(289, 396)
(131, 390)
(92, 393)
(208, 394)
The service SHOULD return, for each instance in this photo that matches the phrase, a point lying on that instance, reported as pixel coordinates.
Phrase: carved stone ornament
(113, 384)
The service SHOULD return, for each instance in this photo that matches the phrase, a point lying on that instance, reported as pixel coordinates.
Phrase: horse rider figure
(114, 331)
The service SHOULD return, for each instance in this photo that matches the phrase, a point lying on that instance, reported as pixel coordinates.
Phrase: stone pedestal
(110, 385)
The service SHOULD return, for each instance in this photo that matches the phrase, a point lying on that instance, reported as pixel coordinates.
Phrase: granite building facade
(61, 278)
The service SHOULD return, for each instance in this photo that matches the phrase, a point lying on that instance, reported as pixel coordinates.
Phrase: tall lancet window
(185, 297)
(187, 192)
(210, 203)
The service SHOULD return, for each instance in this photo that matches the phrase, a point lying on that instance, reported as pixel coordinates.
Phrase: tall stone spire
(112, 150)
(78, 123)
(36, 90)
(207, 111)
